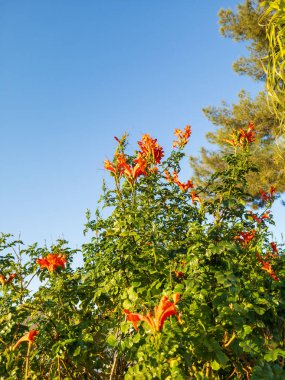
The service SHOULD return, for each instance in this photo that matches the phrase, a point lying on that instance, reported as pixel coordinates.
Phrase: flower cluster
(9, 279)
(164, 310)
(52, 261)
(242, 137)
(245, 237)
(174, 178)
(150, 153)
(261, 218)
(183, 137)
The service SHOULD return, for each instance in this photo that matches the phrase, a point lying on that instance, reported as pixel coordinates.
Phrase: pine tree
(244, 25)
(273, 18)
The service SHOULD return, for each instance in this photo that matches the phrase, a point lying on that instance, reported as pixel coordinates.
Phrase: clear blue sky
(76, 73)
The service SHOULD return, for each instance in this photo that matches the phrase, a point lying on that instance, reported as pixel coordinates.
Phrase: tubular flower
(242, 136)
(108, 165)
(9, 279)
(267, 267)
(150, 149)
(267, 196)
(164, 310)
(179, 274)
(233, 141)
(52, 261)
(183, 137)
(183, 186)
(245, 237)
(133, 317)
(259, 220)
(274, 247)
(133, 172)
(246, 136)
(29, 337)
(117, 166)
(195, 197)
(273, 255)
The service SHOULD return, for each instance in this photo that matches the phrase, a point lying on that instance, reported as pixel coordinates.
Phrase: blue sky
(76, 73)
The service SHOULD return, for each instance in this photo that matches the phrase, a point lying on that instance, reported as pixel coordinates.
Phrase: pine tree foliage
(243, 25)
(273, 17)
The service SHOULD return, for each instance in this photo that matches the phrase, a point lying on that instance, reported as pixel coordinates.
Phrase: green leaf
(112, 340)
(273, 355)
(215, 365)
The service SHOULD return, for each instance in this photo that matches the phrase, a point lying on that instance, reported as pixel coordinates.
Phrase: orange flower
(233, 141)
(246, 136)
(183, 186)
(245, 237)
(183, 137)
(118, 166)
(274, 247)
(108, 165)
(242, 136)
(272, 191)
(2, 280)
(267, 197)
(195, 197)
(259, 220)
(52, 261)
(164, 310)
(267, 267)
(29, 337)
(133, 172)
(150, 149)
(179, 274)
(133, 317)
(10, 279)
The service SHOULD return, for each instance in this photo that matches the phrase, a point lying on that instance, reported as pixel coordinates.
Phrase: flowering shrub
(178, 281)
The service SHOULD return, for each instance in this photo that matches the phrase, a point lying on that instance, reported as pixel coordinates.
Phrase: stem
(58, 367)
(230, 341)
(28, 361)
(114, 365)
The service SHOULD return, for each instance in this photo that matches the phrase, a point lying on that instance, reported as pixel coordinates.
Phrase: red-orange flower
(179, 274)
(267, 267)
(267, 196)
(164, 310)
(9, 279)
(245, 237)
(183, 137)
(232, 141)
(174, 178)
(133, 317)
(274, 247)
(259, 220)
(133, 172)
(29, 337)
(195, 197)
(108, 165)
(150, 150)
(242, 136)
(118, 166)
(52, 261)
(246, 136)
